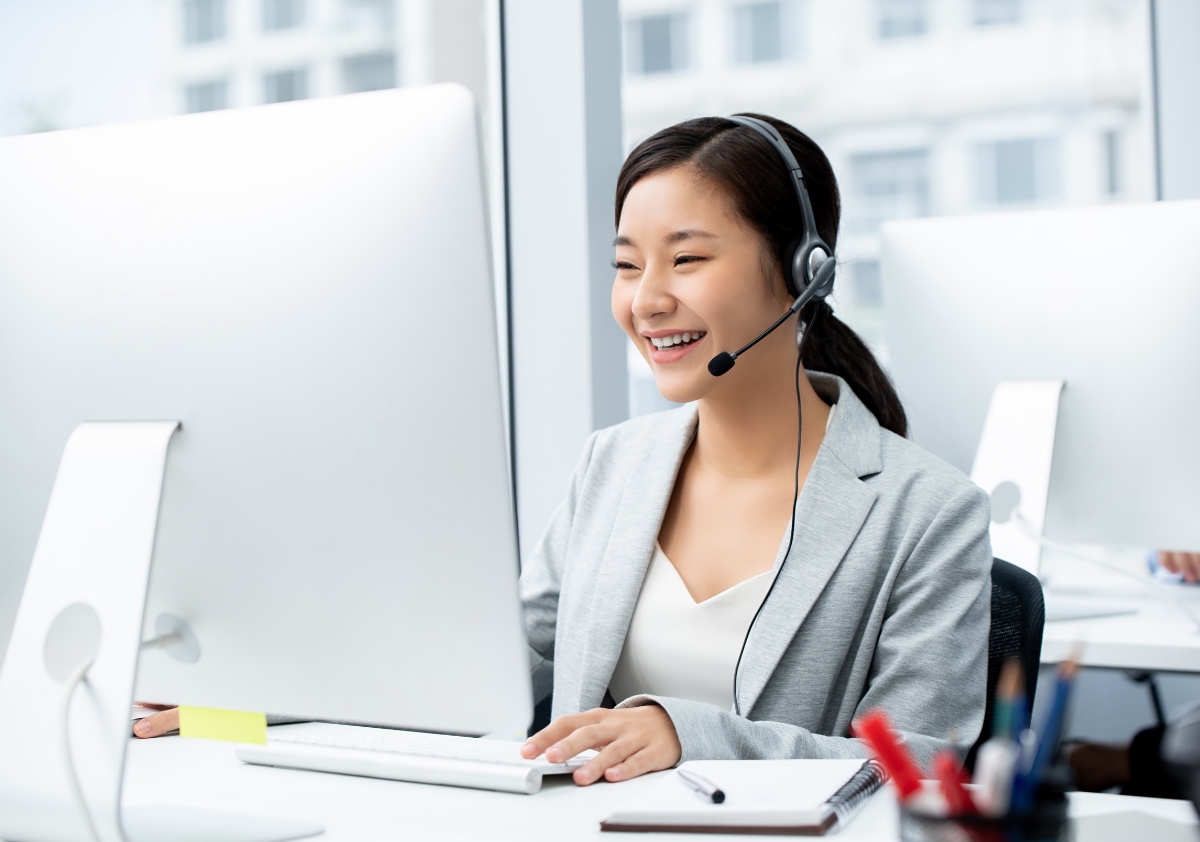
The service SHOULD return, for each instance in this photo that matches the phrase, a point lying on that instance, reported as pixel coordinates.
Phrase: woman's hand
(1186, 563)
(157, 724)
(631, 742)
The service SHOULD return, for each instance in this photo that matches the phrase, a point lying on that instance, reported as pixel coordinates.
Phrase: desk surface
(1157, 638)
(206, 774)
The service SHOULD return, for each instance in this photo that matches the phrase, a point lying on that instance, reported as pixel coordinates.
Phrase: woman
(645, 586)
(648, 578)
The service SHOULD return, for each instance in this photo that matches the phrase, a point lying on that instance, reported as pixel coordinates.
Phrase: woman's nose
(653, 296)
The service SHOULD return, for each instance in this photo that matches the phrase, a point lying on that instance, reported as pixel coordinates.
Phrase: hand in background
(631, 742)
(1187, 564)
(157, 724)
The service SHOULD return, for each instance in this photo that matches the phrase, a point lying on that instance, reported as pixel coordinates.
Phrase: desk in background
(1160, 637)
(205, 774)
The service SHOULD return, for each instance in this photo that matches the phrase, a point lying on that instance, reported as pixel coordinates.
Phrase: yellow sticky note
(234, 726)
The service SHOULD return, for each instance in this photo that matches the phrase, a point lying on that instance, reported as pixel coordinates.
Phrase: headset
(808, 269)
(808, 263)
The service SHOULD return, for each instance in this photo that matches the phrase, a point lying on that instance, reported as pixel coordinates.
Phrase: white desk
(1159, 637)
(205, 774)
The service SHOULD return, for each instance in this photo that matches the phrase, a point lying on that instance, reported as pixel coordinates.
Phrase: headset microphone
(819, 288)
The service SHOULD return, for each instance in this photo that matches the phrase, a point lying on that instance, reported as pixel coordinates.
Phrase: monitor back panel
(307, 288)
(1104, 298)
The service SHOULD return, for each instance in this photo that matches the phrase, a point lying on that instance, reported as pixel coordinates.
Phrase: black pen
(703, 786)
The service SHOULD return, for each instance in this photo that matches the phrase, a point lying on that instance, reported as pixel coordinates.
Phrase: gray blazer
(884, 602)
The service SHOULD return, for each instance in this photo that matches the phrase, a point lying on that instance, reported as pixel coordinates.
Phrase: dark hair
(750, 172)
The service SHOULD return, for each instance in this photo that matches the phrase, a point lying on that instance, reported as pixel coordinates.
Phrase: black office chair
(1018, 620)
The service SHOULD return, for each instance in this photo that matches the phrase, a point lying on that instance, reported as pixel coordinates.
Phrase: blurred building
(230, 53)
(924, 107)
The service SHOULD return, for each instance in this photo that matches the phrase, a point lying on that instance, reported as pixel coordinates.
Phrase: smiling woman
(688, 599)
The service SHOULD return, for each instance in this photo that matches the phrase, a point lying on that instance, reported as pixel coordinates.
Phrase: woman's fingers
(1190, 562)
(581, 739)
(638, 763)
(555, 731)
(157, 724)
(1187, 564)
(609, 756)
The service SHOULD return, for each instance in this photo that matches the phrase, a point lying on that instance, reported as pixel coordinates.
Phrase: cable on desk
(73, 681)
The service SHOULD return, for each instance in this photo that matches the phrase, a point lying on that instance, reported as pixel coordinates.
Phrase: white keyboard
(405, 756)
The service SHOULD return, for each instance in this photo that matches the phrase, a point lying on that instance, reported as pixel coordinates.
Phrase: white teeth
(675, 339)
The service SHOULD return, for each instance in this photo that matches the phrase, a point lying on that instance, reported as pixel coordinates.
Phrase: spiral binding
(848, 800)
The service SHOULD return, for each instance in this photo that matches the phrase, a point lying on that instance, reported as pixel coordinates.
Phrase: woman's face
(689, 280)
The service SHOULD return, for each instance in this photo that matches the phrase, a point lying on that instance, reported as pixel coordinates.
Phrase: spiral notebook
(802, 797)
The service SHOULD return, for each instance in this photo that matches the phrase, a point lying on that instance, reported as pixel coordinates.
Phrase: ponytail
(836, 349)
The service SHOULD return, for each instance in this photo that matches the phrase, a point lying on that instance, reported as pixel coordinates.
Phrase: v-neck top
(685, 649)
(678, 647)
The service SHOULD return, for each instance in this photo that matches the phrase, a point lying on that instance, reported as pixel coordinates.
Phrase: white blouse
(678, 647)
(681, 648)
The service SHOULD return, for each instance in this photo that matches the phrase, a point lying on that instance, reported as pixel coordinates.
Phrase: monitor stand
(83, 604)
(1015, 451)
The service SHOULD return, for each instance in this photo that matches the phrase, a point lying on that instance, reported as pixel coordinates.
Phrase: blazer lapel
(832, 508)
(626, 557)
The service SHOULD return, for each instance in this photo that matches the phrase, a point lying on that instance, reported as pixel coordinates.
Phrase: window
(888, 185)
(766, 32)
(206, 96)
(368, 14)
(656, 44)
(203, 21)
(282, 14)
(1016, 171)
(902, 18)
(991, 12)
(285, 85)
(370, 72)
(914, 119)
(1111, 142)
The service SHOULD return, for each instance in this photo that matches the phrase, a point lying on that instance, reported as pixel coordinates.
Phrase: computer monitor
(306, 287)
(1105, 298)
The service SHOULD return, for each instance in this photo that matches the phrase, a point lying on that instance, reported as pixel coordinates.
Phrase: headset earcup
(794, 275)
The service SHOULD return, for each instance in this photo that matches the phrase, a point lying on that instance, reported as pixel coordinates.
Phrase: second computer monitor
(1104, 298)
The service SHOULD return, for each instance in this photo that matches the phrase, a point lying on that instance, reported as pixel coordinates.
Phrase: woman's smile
(668, 346)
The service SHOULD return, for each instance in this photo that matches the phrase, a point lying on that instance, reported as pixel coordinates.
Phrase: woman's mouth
(671, 347)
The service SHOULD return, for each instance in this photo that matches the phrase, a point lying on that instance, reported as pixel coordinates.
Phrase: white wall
(563, 100)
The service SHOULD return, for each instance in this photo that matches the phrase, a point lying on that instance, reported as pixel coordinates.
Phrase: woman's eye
(622, 264)
(688, 258)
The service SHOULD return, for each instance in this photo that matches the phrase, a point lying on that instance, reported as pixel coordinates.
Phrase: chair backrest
(1018, 620)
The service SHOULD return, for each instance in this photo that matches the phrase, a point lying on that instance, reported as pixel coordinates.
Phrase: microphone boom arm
(724, 361)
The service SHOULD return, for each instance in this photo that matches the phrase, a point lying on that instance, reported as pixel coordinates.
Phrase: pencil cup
(1046, 822)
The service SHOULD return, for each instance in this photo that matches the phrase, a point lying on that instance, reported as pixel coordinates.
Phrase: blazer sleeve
(929, 670)
(541, 580)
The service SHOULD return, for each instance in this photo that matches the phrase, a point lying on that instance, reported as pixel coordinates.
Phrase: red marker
(950, 775)
(876, 731)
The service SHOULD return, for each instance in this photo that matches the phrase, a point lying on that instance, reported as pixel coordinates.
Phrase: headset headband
(800, 262)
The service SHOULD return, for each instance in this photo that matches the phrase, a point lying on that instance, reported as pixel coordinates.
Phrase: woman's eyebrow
(676, 237)
(688, 234)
